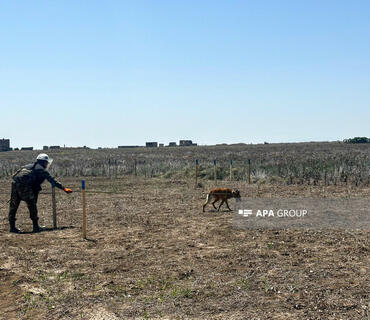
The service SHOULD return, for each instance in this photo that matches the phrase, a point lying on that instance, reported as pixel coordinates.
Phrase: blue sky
(108, 73)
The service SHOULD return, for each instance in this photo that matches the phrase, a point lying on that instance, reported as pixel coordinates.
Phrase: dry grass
(322, 163)
(152, 254)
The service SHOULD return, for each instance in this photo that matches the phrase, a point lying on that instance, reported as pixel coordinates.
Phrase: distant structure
(45, 148)
(151, 144)
(172, 144)
(5, 145)
(54, 147)
(186, 143)
(27, 148)
(126, 147)
(161, 145)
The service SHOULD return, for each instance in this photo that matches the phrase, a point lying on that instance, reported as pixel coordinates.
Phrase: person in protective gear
(26, 186)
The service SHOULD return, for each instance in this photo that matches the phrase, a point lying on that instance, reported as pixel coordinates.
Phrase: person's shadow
(46, 230)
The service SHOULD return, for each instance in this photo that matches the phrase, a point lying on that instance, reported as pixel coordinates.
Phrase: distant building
(54, 147)
(27, 148)
(172, 144)
(151, 144)
(45, 148)
(186, 143)
(5, 145)
(161, 145)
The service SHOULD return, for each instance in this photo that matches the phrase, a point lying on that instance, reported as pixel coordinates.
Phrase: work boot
(36, 227)
(13, 229)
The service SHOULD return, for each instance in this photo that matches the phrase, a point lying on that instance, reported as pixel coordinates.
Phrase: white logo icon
(245, 212)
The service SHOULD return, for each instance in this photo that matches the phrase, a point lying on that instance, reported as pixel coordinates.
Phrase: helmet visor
(50, 161)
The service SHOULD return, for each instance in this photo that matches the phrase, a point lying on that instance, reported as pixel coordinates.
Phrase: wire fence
(313, 164)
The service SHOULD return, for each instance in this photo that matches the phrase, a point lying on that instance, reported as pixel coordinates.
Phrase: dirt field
(152, 254)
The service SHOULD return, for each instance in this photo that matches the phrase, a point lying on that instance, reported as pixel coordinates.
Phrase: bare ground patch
(152, 253)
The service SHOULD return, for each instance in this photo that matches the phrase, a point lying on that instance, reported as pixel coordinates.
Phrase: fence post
(109, 167)
(135, 172)
(54, 205)
(214, 171)
(145, 168)
(83, 209)
(196, 172)
(249, 171)
(231, 169)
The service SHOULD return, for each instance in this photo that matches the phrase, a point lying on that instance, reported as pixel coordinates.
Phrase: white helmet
(44, 157)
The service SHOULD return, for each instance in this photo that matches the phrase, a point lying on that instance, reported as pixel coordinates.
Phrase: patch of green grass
(62, 276)
(181, 293)
(243, 284)
(118, 289)
(15, 282)
(165, 284)
(77, 275)
(66, 275)
(27, 296)
(266, 285)
(146, 315)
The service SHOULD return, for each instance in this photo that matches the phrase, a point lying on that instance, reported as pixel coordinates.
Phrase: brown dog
(221, 194)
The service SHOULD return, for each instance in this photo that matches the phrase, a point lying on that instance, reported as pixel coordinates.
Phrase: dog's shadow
(221, 211)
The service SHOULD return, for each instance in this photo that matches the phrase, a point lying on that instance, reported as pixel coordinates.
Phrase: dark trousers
(27, 194)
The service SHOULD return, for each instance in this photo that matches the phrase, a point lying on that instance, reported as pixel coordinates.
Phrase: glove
(67, 190)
